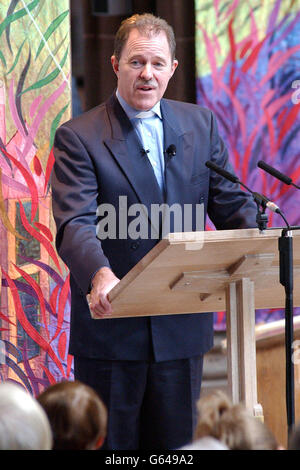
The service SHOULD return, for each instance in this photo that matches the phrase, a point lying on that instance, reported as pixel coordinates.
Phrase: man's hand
(103, 281)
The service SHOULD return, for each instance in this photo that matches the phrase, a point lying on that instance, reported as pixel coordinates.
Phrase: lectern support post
(241, 350)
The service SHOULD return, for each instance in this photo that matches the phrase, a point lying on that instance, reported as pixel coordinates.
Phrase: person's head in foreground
(231, 424)
(77, 415)
(23, 422)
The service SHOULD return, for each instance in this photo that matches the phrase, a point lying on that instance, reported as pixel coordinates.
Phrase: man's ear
(174, 65)
(115, 64)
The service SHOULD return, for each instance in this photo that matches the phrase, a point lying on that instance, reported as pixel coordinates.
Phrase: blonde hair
(23, 422)
(146, 24)
(232, 424)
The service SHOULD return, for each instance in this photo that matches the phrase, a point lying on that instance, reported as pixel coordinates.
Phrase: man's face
(144, 69)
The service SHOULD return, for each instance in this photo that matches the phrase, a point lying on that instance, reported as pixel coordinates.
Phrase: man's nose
(147, 72)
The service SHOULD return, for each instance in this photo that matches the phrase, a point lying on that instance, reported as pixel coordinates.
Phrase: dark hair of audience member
(77, 416)
(232, 424)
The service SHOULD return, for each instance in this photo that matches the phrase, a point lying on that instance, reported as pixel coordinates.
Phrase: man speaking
(150, 150)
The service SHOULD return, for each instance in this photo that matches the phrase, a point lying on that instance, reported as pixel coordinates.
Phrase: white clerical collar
(136, 113)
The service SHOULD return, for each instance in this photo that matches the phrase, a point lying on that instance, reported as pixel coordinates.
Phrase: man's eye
(135, 63)
(159, 65)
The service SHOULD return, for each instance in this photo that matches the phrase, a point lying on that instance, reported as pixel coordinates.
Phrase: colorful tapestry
(34, 100)
(248, 71)
(247, 63)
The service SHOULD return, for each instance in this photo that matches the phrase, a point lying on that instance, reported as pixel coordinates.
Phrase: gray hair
(23, 422)
(146, 24)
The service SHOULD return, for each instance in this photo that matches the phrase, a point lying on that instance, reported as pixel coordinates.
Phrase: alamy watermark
(296, 94)
(133, 221)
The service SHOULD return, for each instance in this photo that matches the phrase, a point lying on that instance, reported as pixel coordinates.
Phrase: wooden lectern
(232, 270)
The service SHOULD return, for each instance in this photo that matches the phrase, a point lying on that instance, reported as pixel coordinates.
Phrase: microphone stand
(286, 276)
(261, 216)
(285, 247)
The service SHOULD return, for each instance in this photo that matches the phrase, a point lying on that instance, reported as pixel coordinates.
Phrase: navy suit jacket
(98, 157)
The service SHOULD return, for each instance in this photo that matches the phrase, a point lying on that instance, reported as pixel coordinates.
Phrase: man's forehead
(138, 42)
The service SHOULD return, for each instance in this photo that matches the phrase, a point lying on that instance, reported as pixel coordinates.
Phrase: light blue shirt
(151, 134)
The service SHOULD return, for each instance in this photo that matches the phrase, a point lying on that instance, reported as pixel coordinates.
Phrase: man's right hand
(103, 281)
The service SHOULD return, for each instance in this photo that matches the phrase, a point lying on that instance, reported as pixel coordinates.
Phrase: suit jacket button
(135, 245)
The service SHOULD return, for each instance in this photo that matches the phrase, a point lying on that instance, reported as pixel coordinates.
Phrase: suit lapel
(176, 168)
(127, 150)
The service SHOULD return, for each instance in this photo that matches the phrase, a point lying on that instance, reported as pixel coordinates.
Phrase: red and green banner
(35, 97)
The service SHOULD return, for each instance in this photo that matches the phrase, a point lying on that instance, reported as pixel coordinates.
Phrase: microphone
(259, 198)
(171, 151)
(272, 171)
(277, 174)
(222, 172)
(145, 151)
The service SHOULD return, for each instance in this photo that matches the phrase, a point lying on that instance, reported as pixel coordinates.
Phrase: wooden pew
(270, 361)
